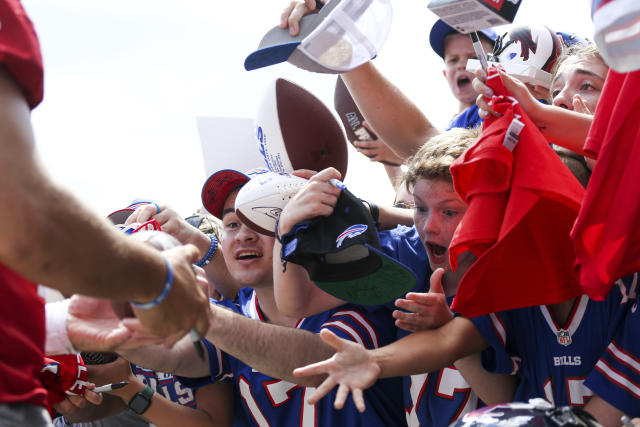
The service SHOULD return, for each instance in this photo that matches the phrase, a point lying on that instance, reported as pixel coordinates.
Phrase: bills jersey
(440, 397)
(167, 385)
(267, 401)
(553, 360)
(616, 377)
(467, 119)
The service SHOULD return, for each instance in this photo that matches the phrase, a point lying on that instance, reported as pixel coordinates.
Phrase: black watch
(141, 401)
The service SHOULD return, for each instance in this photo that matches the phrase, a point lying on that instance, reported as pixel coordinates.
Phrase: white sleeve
(57, 339)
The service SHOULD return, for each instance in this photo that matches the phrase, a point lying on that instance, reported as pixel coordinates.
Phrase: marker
(337, 183)
(109, 387)
(195, 338)
(477, 46)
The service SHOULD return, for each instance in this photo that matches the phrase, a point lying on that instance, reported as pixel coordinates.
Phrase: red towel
(63, 374)
(522, 205)
(607, 232)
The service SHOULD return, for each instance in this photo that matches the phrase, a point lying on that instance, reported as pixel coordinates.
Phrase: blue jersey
(616, 377)
(440, 397)
(553, 360)
(167, 385)
(269, 401)
(467, 119)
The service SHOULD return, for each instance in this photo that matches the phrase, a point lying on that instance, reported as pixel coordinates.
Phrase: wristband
(206, 259)
(163, 294)
(374, 210)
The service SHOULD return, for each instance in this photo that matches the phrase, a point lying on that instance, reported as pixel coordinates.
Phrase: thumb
(332, 339)
(435, 282)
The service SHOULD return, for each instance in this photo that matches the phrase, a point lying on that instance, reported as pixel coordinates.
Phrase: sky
(126, 79)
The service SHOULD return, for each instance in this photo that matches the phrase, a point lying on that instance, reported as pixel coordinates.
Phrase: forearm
(391, 217)
(563, 127)
(181, 359)
(110, 406)
(396, 120)
(491, 388)
(273, 350)
(164, 412)
(295, 293)
(429, 350)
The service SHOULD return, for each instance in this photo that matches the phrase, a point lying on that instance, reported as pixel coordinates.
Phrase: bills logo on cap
(564, 337)
(350, 233)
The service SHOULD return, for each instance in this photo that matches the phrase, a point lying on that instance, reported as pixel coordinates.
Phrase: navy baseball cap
(342, 254)
(441, 30)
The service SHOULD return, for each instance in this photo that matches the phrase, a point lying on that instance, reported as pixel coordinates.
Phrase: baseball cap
(121, 215)
(342, 254)
(441, 30)
(343, 35)
(220, 184)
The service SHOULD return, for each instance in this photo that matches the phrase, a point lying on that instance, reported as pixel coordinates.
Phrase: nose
(430, 225)
(245, 234)
(563, 99)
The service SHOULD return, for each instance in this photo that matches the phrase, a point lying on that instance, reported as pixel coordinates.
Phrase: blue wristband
(163, 294)
(206, 259)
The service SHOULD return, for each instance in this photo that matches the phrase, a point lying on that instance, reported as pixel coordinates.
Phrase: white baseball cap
(342, 36)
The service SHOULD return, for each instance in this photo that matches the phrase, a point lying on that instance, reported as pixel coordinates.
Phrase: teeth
(248, 254)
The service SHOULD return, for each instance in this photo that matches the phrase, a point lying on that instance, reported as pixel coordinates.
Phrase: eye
(555, 93)
(586, 86)
(450, 213)
(232, 225)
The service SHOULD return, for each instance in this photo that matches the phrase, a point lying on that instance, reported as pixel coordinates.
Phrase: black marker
(109, 387)
(477, 46)
(195, 338)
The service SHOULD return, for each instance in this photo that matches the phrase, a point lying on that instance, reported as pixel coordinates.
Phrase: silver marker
(109, 387)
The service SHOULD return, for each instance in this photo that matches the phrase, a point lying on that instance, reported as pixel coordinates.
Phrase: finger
(412, 306)
(480, 74)
(322, 390)
(332, 339)
(580, 106)
(311, 4)
(94, 398)
(435, 282)
(367, 143)
(143, 214)
(326, 174)
(406, 326)
(313, 369)
(77, 401)
(358, 399)
(304, 173)
(296, 15)
(202, 324)
(481, 88)
(341, 396)
(284, 18)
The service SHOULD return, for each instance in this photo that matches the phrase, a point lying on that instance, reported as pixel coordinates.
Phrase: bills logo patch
(564, 337)
(350, 233)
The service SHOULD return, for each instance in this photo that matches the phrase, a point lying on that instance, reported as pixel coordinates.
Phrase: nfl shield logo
(564, 338)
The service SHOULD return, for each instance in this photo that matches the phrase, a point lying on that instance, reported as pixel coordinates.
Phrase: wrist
(163, 294)
(210, 252)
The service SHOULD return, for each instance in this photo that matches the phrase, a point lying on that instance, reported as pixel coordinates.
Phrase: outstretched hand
(352, 368)
(94, 325)
(377, 151)
(426, 310)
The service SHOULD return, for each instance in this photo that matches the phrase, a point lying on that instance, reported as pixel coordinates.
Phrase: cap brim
(441, 30)
(392, 280)
(218, 187)
(120, 216)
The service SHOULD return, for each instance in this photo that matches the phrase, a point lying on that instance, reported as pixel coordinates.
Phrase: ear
(444, 73)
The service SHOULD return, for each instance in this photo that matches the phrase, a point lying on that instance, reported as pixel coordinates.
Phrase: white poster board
(228, 143)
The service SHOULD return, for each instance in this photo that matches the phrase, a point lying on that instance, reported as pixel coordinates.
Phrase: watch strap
(137, 402)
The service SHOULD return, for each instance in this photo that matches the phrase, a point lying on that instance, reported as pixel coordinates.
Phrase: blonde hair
(579, 51)
(435, 157)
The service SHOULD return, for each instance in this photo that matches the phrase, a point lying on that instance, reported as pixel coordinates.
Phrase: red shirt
(21, 309)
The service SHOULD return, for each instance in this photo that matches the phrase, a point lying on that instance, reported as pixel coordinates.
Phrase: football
(351, 116)
(295, 130)
(261, 200)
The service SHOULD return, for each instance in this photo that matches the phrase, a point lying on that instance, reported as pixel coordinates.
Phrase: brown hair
(433, 159)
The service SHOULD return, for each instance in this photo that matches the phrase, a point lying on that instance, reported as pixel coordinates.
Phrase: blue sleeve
(371, 328)
(497, 358)
(616, 376)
